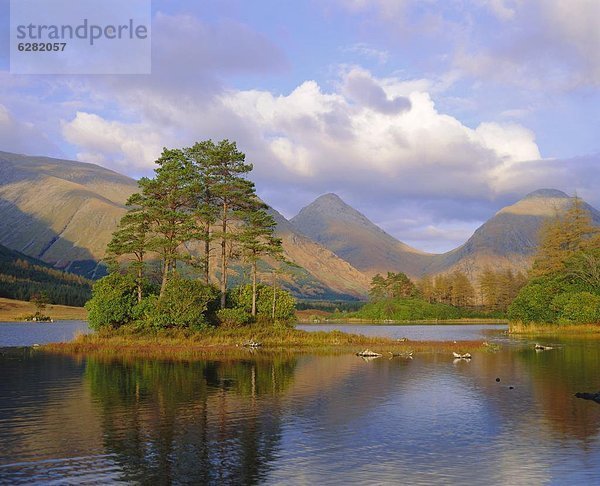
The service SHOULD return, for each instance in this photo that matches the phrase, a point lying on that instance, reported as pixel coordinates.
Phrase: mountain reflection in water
(302, 418)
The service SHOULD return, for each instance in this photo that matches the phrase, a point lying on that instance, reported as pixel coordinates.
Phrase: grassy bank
(14, 310)
(336, 318)
(553, 329)
(225, 342)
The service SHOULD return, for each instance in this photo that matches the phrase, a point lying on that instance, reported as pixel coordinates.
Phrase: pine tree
(488, 286)
(258, 239)
(207, 209)
(232, 192)
(168, 201)
(132, 238)
(426, 288)
(378, 288)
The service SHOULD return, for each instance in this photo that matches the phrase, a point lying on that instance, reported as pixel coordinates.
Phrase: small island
(168, 291)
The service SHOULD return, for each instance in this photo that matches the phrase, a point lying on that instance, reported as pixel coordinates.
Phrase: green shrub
(578, 308)
(534, 303)
(184, 304)
(233, 317)
(113, 300)
(285, 304)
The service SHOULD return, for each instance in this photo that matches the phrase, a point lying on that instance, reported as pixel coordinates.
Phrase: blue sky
(426, 115)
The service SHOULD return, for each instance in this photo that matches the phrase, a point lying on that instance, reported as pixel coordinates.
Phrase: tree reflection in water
(199, 422)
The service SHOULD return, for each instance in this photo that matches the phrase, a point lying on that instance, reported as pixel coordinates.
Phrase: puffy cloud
(362, 88)
(310, 141)
(367, 135)
(120, 145)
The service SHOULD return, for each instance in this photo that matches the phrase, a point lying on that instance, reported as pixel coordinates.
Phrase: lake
(301, 418)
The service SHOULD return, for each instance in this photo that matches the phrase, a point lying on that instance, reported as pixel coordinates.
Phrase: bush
(285, 304)
(553, 300)
(233, 317)
(534, 303)
(578, 308)
(184, 304)
(113, 300)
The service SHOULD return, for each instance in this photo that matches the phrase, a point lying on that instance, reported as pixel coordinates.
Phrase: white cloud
(362, 134)
(121, 145)
(546, 44)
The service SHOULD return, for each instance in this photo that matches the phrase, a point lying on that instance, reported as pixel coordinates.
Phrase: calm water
(301, 419)
(30, 333)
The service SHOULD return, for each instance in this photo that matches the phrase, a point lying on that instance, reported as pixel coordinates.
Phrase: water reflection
(302, 419)
(205, 421)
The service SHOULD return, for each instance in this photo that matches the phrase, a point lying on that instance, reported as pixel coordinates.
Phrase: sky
(427, 116)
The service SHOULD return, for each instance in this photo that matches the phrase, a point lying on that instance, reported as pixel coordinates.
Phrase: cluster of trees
(23, 279)
(452, 289)
(564, 287)
(396, 297)
(393, 286)
(443, 296)
(499, 288)
(199, 202)
(492, 291)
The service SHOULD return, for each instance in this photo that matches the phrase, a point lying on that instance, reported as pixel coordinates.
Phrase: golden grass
(229, 343)
(553, 329)
(461, 320)
(14, 310)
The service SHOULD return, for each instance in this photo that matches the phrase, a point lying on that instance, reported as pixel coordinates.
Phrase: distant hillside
(333, 272)
(22, 277)
(64, 213)
(509, 239)
(60, 211)
(350, 235)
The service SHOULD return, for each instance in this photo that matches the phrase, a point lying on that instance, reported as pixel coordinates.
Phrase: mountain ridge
(64, 212)
(507, 240)
(353, 237)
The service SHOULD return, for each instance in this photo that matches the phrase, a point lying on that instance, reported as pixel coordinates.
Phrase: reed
(230, 343)
(553, 329)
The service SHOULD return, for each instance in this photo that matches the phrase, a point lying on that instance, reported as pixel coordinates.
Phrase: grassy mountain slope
(509, 239)
(349, 234)
(60, 211)
(336, 273)
(64, 213)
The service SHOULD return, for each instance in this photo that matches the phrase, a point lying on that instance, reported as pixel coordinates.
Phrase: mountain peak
(329, 199)
(350, 235)
(547, 193)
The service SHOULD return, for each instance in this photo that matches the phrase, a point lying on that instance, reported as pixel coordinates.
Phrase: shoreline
(520, 329)
(12, 310)
(230, 344)
(391, 322)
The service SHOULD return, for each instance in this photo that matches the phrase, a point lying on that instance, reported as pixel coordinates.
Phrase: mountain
(60, 211)
(509, 239)
(22, 277)
(350, 235)
(64, 213)
(336, 273)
